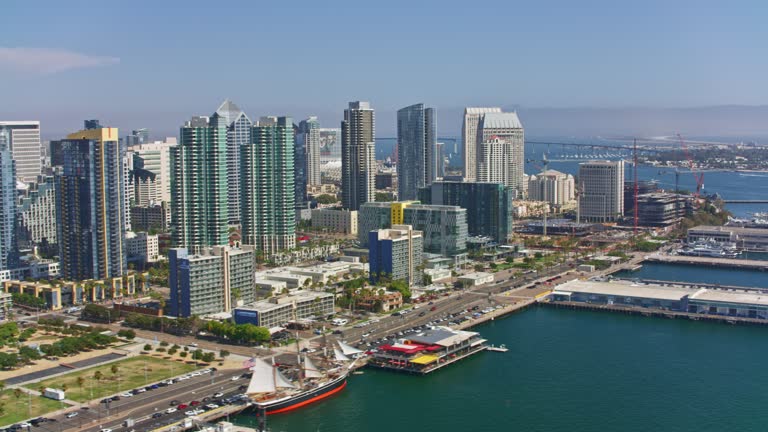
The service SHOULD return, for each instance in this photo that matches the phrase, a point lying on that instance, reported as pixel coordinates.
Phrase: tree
(127, 334)
(80, 382)
(223, 353)
(17, 392)
(114, 369)
(147, 347)
(98, 376)
(327, 199)
(183, 354)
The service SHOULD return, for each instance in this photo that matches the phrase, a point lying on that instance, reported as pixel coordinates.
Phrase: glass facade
(416, 140)
(8, 240)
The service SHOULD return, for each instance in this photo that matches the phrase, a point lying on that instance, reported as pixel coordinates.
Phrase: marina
(709, 261)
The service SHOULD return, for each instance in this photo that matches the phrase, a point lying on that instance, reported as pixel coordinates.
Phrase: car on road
(433, 308)
(193, 345)
(170, 410)
(421, 314)
(235, 378)
(141, 390)
(126, 395)
(71, 415)
(157, 415)
(25, 425)
(194, 403)
(115, 398)
(218, 395)
(182, 406)
(175, 402)
(212, 406)
(105, 430)
(365, 335)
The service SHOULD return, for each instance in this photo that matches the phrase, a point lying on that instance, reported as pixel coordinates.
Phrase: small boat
(500, 348)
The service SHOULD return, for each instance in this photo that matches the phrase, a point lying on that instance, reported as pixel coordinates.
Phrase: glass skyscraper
(90, 192)
(8, 234)
(416, 141)
(307, 158)
(358, 155)
(238, 135)
(267, 186)
(199, 184)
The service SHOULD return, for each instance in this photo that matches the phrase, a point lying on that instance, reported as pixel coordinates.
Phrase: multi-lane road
(95, 416)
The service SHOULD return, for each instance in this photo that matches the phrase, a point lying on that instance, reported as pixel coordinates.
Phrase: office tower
(137, 137)
(8, 233)
(91, 124)
(330, 145)
(444, 227)
(439, 161)
(552, 186)
(416, 163)
(24, 145)
(500, 150)
(489, 206)
(199, 186)
(267, 177)
(306, 161)
(358, 155)
(472, 118)
(89, 205)
(214, 281)
(602, 190)
(36, 216)
(238, 135)
(128, 191)
(395, 253)
(153, 160)
(155, 216)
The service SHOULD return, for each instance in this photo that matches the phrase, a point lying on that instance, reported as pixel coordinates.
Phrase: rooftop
(502, 120)
(626, 289)
(442, 336)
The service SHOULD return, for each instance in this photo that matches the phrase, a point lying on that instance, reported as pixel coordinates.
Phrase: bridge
(746, 201)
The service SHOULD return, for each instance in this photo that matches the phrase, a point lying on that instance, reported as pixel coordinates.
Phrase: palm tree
(17, 392)
(80, 382)
(2, 386)
(98, 376)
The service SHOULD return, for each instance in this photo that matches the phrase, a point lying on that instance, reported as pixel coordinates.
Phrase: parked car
(72, 414)
(157, 415)
(170, 410)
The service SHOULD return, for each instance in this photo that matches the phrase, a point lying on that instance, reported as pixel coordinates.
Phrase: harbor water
(566, 370)
(574, 371)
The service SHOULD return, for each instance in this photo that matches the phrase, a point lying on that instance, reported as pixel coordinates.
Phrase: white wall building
(25, 148)
(156, 158)
(142, 247)
(472, 117)
(341, 221)
(500, 153)
(554, 187)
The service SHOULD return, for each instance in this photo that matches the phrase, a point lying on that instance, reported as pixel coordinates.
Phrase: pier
(657, 313)
(708, 261)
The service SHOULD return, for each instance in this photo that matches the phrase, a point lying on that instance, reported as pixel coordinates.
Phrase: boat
(500, 348)
(275, 389)
(710, 249)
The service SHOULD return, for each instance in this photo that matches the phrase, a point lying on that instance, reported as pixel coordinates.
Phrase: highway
(142, 406)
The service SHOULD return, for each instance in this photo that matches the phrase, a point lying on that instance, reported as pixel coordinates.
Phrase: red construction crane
(636, 188)
(699, 177)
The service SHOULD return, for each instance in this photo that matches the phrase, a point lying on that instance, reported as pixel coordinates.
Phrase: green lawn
(16, 410)
(130, 374)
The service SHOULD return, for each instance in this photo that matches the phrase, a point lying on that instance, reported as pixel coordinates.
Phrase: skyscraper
(395, 252)
(306, 161)
(500, 150)
(8, 235)
(416, 146)
(472, 118)
(602, 194)
(199, 186)
(154, 158)
(89, 205)
(267, 186)
(24, 145)
(238, 135)
(137, 137)
(358, 155)
(489, 205)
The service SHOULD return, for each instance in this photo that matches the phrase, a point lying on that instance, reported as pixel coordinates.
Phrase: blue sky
(156, 63)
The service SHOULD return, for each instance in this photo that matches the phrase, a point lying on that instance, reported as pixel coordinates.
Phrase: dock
(657, 313)
(708, 261)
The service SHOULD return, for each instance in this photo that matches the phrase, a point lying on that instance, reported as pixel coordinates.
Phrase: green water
(571, 371)
(699, 274)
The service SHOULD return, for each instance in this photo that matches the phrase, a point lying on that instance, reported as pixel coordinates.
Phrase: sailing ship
(272, 389)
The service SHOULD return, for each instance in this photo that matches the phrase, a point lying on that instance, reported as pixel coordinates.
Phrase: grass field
(130, 374)
(16, 410)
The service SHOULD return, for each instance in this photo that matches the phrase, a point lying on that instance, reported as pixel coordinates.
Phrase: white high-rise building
(25, 148)
(500, 152)
(602, 194)
(554, 187)
(472, 118)
(155, 158)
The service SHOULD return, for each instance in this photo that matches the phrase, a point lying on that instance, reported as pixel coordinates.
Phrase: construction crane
(636, 188)
(698, 177)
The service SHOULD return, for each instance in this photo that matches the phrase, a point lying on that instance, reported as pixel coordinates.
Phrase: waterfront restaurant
(428, 350)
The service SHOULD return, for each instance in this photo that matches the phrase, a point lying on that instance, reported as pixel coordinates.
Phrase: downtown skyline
(563, 58)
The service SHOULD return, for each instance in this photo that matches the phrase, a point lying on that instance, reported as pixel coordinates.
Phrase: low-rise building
(60, 294)
(475, 279)
(278, 311)
(141, 248)
(437, 274)
(6, 303)
(380, 302)
(336, 220)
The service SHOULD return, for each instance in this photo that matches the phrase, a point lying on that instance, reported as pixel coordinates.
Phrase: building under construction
(660, 209)
(562, 227)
